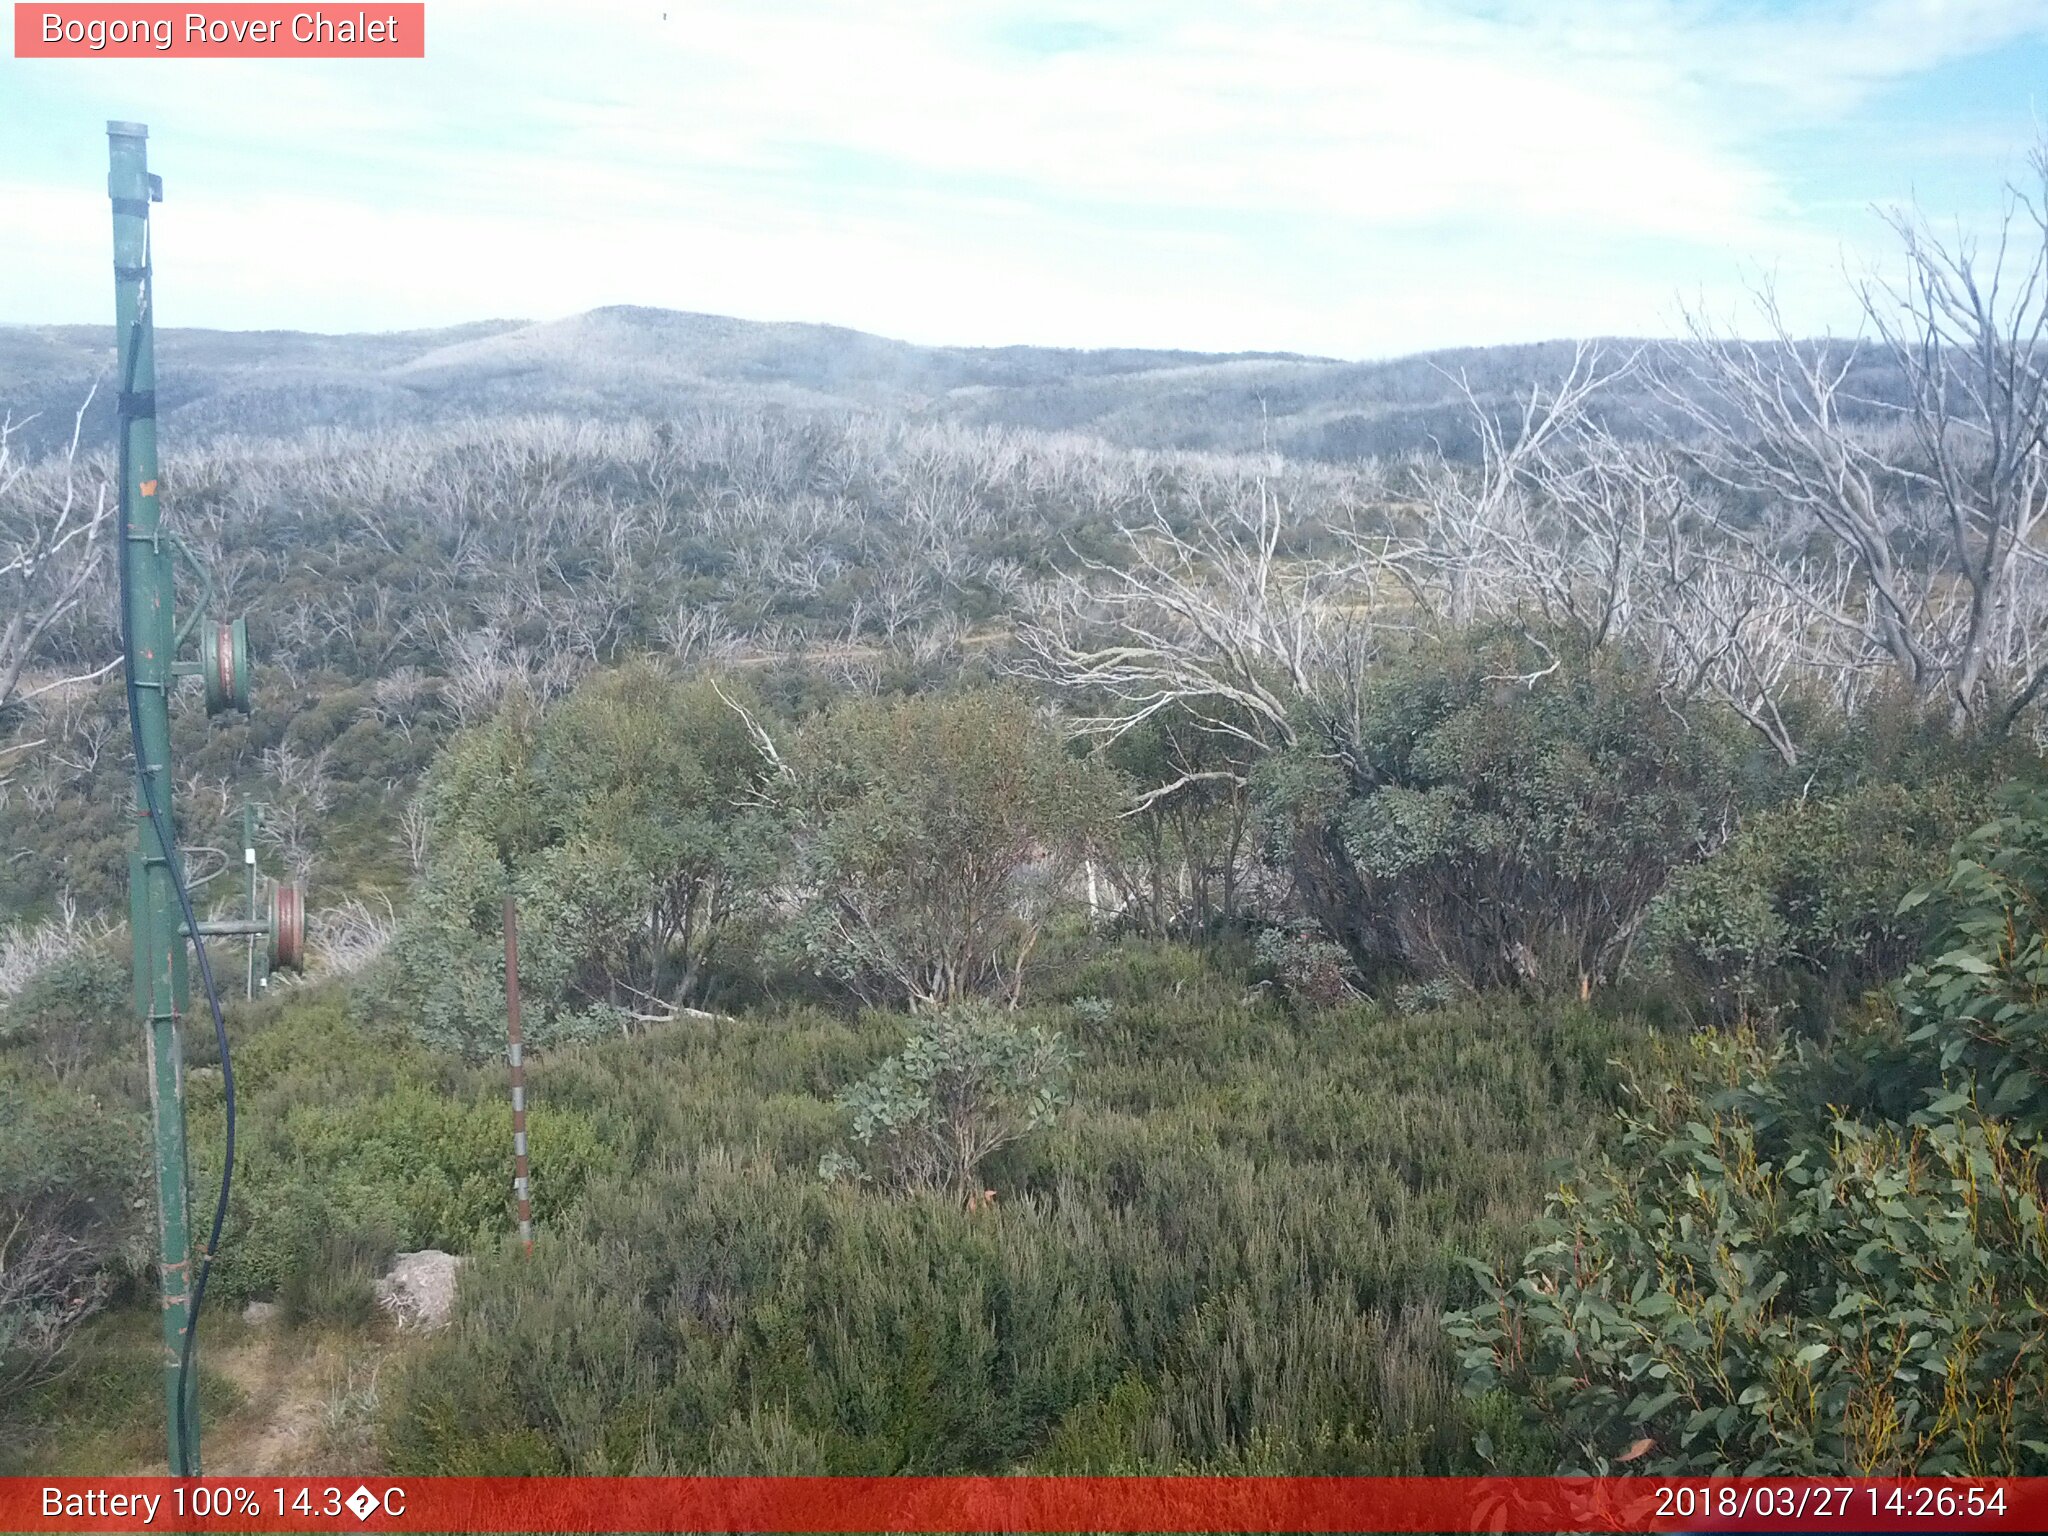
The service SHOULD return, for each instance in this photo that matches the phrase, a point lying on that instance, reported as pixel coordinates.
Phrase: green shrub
(934, 839)
(1504, 815)
(1798, 913)
(77, 1009)
(1817, 1262)
(350, 1150)
(969, 1081)
(410, 1169)
(1312, 972)
(70, 1171)
(1980, 1003)
(1749, 1288)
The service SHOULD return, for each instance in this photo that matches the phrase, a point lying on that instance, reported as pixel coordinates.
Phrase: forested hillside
(658, 364)
(1083, 913)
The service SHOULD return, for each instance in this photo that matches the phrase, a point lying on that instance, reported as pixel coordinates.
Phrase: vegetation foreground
(1098, 1199)
(1043, 957)
(1232, 1253)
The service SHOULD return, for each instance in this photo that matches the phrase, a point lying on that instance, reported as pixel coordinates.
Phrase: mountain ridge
(629, 360)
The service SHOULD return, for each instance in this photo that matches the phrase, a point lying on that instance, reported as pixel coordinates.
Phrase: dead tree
(1556, 516)
(1214, 624)
(55, 520)
(1938, 498)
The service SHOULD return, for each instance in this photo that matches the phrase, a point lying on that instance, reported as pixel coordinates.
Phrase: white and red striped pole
(522, 1186)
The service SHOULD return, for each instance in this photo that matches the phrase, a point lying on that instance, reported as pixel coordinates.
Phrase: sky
(1349, 178)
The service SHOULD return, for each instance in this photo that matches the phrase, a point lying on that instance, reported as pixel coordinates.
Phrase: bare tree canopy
(1915, 547)
(1212, 621)
(54, 521)
(1825, 522)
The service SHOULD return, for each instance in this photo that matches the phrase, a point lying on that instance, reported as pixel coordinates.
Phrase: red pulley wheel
(288, 927)
(225, 667)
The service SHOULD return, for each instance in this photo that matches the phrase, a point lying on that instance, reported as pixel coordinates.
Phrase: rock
(420, 1289)
(257, 1313)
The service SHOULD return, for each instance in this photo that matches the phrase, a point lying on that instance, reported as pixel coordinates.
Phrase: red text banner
(231, 31)
(1167, 1504)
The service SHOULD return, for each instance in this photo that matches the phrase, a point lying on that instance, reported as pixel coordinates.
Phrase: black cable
(187, 1407)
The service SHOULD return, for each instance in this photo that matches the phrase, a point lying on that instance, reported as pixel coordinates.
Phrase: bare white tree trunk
(54, 523)
(1937, 502)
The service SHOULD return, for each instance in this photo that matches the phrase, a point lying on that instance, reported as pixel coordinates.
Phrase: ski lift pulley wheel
(288, 927)
(226, 664)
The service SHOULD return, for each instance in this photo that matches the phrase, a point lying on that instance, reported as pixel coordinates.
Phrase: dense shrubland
(718, 1147)
(1164, 1278)
(665, 851)
(358, 1142)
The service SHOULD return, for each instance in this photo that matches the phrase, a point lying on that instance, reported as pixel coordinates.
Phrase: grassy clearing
(274, 1400)
(105, 1414)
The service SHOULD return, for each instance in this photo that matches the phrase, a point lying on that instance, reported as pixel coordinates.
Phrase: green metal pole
(153, 908)
(249, 867)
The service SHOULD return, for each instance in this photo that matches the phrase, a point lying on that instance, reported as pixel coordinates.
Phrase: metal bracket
(205, 590)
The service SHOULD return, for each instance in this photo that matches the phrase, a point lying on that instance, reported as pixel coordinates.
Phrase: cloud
(1254, 173)
(1385, 115)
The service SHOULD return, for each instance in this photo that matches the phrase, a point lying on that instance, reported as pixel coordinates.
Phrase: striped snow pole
(522, 1185)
